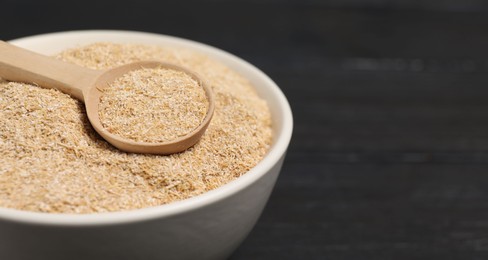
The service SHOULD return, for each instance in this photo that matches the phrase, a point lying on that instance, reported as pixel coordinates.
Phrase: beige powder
(51, 160)
(153, 105)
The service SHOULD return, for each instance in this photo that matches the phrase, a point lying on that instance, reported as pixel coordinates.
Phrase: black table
(389, 158)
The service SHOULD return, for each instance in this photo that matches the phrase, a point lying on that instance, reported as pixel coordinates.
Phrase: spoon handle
(18, 64)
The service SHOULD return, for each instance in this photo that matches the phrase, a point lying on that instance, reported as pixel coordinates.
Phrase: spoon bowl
(86, 85)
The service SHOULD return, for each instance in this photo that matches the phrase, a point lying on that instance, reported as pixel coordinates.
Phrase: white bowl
(208, 226)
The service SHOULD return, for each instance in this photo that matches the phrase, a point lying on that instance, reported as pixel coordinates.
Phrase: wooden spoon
(18, 64)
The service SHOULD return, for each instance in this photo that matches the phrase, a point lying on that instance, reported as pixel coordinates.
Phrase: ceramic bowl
(208, 226)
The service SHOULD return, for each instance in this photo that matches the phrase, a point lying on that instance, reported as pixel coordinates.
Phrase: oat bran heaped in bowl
(52, 161)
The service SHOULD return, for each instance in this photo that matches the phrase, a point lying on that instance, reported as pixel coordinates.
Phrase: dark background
(389, 158)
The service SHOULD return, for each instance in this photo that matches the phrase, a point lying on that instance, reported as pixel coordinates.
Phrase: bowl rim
(275, 154)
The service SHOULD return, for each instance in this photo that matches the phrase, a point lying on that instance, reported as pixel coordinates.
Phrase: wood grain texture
(389, 158)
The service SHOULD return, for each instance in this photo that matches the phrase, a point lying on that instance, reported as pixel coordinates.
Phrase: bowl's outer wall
(210, 232)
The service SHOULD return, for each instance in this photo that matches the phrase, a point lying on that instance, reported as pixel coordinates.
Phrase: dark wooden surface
(389, 158)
